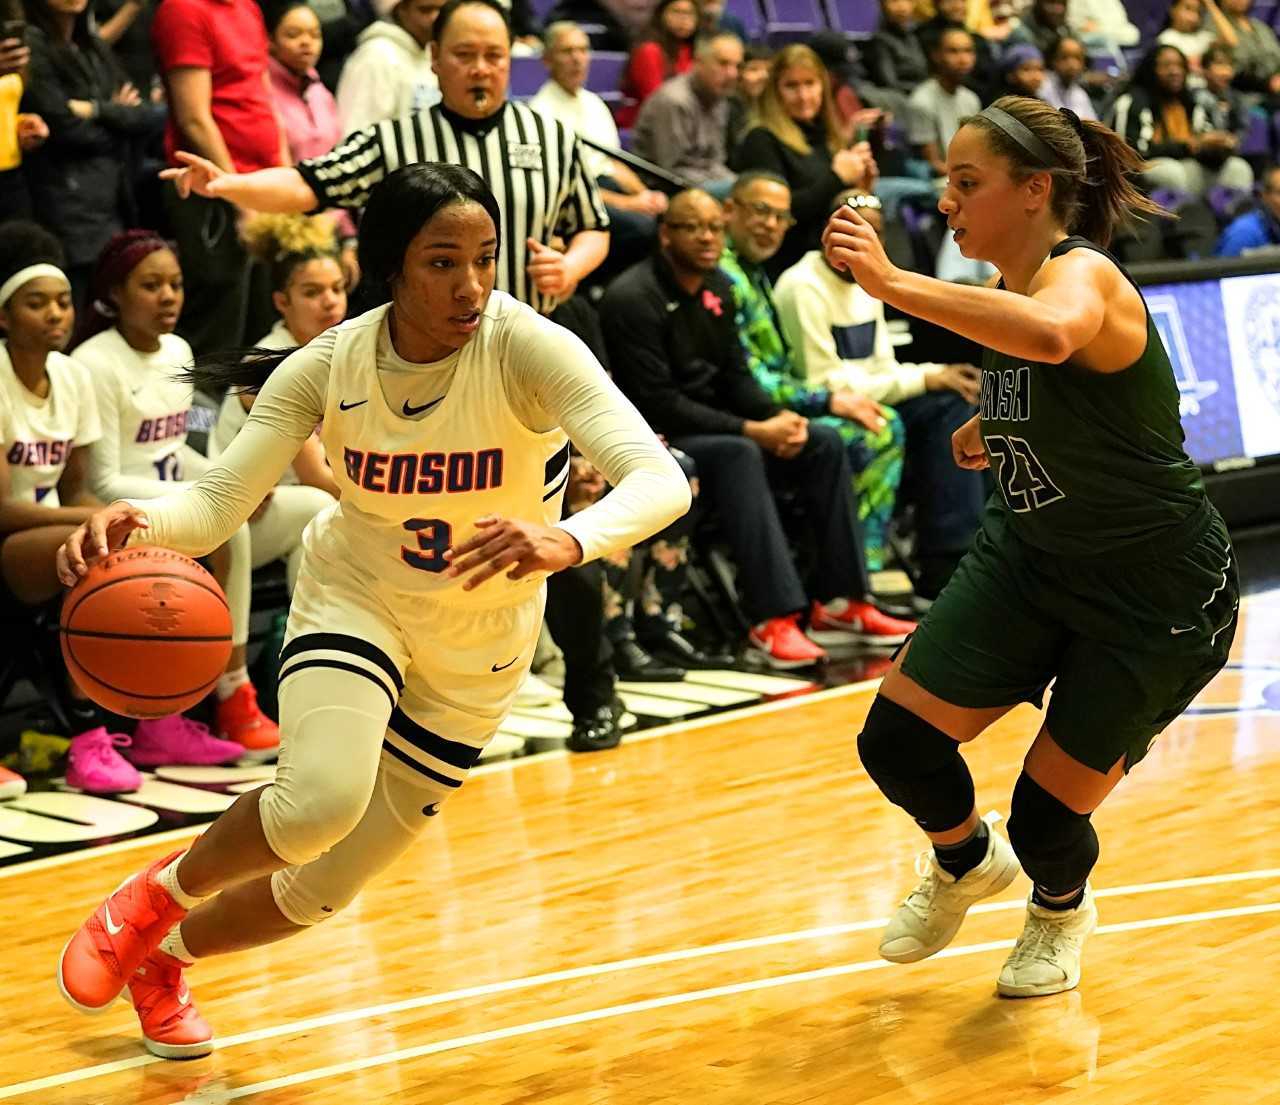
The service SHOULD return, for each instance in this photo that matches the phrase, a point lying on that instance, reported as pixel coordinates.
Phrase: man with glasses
(759, 214)
(671, 329)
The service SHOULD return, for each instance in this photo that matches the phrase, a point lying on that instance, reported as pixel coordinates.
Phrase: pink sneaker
(179, 740)
(95, 767)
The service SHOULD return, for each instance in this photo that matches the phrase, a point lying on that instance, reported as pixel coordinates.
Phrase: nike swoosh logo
(345, 406)
(112, 927)
(412, 412)
(505, 666)
(1175, 630)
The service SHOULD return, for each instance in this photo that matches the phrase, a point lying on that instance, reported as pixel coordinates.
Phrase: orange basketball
(146, 633)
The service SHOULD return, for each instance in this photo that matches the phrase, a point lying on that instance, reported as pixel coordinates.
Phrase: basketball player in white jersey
(446, 416)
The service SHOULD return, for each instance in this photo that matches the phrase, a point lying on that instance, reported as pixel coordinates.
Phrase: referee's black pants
(575, 617)
(739, 481)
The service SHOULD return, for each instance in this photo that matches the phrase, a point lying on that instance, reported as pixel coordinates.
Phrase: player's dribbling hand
(851, 245)
(105, 532)
(966, 446)
(512, 546)
(198, 175)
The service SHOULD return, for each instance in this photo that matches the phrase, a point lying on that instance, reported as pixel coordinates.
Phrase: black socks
(1060, 906)
(958, 860)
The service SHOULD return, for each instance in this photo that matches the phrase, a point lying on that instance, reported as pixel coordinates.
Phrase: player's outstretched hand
(966, 446)
(512, 546)
(852, 245)
(198, 175)
(105, 532)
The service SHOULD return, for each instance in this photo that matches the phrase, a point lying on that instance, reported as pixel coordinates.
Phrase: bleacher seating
(793, 20)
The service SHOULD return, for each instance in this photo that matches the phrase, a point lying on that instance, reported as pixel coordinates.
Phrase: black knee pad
(917, 766)
(1056, 846)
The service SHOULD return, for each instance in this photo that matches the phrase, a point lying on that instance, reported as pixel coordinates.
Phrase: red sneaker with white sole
(240, 720)
(843, 621)
(172, 1027)
(98, 961)
(782, 644)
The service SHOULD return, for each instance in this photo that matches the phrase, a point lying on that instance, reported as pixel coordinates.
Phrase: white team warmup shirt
(144, 412)
(421, 451)
(37, 434)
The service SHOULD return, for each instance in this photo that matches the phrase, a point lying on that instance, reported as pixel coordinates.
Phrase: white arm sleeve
(562, 384)
(203, 516)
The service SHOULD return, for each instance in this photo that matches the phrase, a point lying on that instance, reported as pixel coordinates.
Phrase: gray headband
(1022, 135)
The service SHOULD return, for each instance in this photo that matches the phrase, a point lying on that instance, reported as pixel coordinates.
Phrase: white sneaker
(1046, 958)
(536, 692)
(930, 917)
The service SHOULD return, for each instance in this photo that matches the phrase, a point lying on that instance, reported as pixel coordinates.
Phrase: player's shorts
(1128, 638)
(449, 673)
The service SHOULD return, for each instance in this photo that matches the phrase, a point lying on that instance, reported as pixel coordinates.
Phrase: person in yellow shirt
(18, 131)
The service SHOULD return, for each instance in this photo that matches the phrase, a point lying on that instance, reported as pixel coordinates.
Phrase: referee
(532, 163)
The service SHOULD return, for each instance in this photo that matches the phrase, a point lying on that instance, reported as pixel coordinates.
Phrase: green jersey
(1088, 462)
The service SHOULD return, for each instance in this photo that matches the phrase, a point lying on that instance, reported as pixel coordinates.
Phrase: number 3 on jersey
(1023, 481)
(435, 535)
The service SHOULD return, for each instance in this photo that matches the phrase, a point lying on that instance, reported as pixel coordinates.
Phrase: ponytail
(1108, 198)
(243, 371)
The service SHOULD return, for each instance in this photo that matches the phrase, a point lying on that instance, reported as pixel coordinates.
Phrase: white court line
(724, 717)
(593, 970)
(210, 1096)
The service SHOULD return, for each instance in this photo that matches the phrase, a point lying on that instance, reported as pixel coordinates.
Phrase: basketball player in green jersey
(1100, 565)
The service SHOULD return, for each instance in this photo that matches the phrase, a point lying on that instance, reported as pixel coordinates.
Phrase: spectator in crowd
(474, 125)
(309, 292)
(744, 100)
(1227, 104)
(80, 178)
(1102, 24)
(125, 26)
(19, 132)
(1004, 21)
(213, 56)
(1062, 87)
(1259, 228)
(714, 20)
(1255, 47)
(952, 15)
(798, 139)
(855, 115)
(1184, 30)
(1022, 70)
(307, 110)
(757, 215)
(894, 58)
(839, 340)
(672, 335)
(1044, 21)
(607, 22)
(631, 205)
(665, 52)
(389, 75)
(682, 127)
(938, 105)
(48, 420)
(526, 32)
(131, 357)
(1174, 132)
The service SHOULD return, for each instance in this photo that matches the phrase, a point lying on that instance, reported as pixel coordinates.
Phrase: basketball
(146, 632)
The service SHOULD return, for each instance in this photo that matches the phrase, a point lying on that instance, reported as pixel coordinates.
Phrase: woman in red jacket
(666, 51)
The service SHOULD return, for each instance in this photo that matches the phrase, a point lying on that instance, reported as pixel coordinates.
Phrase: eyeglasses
(717, 229)
(764, 213)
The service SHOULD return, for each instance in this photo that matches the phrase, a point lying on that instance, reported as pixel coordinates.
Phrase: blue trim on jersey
(343, 642)
(556, 463)
(435, 776)
(325, 662)
(563, 480)
(454, 753)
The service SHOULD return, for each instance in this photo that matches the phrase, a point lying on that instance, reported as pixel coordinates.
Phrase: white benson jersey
(137, 393)
(415, 475)
(38, 434)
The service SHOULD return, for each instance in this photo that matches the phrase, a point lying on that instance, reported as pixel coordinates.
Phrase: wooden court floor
(694, 918)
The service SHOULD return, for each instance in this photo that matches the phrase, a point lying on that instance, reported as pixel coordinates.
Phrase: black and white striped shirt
(532, 163)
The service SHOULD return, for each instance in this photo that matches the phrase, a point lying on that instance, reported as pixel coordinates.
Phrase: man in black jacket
(669, 326)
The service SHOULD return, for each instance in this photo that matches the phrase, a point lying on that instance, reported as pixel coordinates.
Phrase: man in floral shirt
(758, 215)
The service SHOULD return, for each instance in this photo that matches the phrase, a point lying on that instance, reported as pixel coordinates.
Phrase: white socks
(173, 945)
(231, 681)
(168, 878)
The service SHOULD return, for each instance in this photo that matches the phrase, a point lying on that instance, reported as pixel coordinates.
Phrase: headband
(121, 256)
(1022, 135)
(23, 276)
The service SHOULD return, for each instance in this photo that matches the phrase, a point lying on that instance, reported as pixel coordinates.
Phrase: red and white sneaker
(782, 644)
(240, 720)
(100, 958)
(172, 1027)
(844, 620)
(12, 785)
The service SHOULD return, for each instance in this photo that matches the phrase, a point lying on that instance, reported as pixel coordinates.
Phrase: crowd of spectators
(671, 219)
